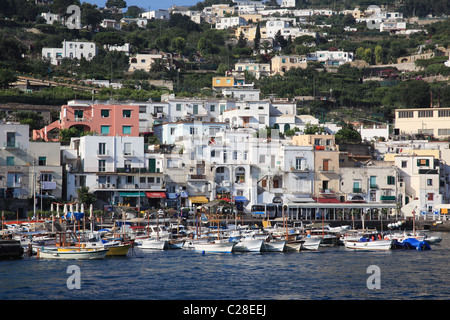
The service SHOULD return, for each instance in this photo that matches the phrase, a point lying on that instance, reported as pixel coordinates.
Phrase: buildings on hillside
(211, 149)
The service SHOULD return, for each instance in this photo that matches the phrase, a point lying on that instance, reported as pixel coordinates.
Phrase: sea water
(329, 274)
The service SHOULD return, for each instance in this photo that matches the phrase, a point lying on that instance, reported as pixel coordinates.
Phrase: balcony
(102, 153)
(197, 177)
(326, 191)
(11, 145)
(48, 185)
(128, 153)
(373, 186)
(326, 169)
(106, 186)
(357, 190)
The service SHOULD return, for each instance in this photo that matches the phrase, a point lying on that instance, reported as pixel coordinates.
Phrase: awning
(199, 199)
(155, 195)
(131, 194)
(240, 198)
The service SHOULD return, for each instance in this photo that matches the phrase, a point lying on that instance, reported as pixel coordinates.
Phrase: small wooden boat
(216, 246)
(273, 246)
(153, 244)
(311, 244)
(248, 245)
(71, 253)
(377, 245)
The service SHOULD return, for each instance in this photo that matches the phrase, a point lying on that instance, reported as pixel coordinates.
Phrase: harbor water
(329, 274)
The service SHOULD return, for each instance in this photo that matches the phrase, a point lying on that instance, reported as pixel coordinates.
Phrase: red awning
(154, 195)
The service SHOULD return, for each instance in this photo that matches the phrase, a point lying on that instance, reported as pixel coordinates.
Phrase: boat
(273, 246)
(176, 243)
(248, 245)
(153, 244)
(311, 244)
(10, 249)
(71, 253)
(411, 243)
(214, 246)
(364, 245)
(294, 245)
(116, 247)
(432, 239)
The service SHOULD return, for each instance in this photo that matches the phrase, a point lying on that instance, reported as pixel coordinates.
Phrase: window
(126, 113)
(357, 187)
(430, 196)
(212, 108)
(42, 161)
(126, 129)
(444, 132)
(444, 113)
(102, 148)
(429, 182)
(423, 162)
(405, 114)
(425, 113)
(178, 107)
(46, 177)
(298, 163)
(235, 155)
(390, 180)
(404, 164)
(78, 114)
(104, 129)
(127, 148)
(193, 130)
(9, 161)
(142, 109)
(104, 113)
(10, 139)
(101, 165)
(373, 181)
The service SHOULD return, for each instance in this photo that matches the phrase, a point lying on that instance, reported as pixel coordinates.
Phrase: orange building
(105, 119)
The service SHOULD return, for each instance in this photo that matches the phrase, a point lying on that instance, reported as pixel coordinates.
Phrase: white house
(118, 169)
(72, 50)
(159, 14)
(229, 22)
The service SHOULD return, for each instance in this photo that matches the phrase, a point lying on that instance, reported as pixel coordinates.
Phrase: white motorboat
(216, 246)
(433, 239)
(71, 253)
(274, 246)
(153, 244)
(377, 245)
(311, 244)
(248, 245)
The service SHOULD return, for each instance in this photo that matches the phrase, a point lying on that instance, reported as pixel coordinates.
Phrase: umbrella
(82, 208)
(57, 210)
(51, 207)
(65, 210)
(76, 207)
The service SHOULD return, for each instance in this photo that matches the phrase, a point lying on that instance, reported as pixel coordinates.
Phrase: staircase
(42, 133)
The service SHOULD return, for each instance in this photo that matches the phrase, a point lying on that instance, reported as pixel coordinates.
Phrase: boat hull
(154, 244)
(274, 246)
(379, 245)
(72, 254)
(119, 250)
(311, 244)
(248, 246)
(293, 245)
(219, 247)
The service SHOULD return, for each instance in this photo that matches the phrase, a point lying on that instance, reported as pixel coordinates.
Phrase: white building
(71, 50)
(229, 22)
(331, 58)
(118, 169)
(143, 61)
(159, 14)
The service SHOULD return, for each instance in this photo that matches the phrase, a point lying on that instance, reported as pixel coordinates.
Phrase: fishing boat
(214, 246)
(153, 244)
(361, 245)
(71, 253)
(273, 246)
(294, 245)
(248, 245)
(311, 244)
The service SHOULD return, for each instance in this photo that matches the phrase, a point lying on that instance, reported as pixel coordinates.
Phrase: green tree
(85, 196)
(347, 135)
(257, 39)
(378, 54)
(6, 78)
(178, 44)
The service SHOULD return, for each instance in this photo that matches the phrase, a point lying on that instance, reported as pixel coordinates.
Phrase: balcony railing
(326, 191)
(327, 169)
(197, 177)
(128, 153)
(11, 145)
(102, 153)
(357, 190)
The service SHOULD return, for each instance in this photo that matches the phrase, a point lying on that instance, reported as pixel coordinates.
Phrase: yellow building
(326, 163)
(281, 64)
(428, 121)
(227, 82)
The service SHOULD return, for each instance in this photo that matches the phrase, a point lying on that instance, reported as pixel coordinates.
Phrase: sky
(154, 4)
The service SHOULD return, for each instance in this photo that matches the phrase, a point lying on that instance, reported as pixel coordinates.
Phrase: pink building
(109, 120)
